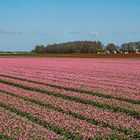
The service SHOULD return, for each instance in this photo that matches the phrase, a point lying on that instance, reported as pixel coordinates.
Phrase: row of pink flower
(98, 78)
(104, 80)
(101, 86)
(95, 83)
(59, 120)
(112, 118)
(106, 89)
(84, 96)
(119, 67)
(21, 128)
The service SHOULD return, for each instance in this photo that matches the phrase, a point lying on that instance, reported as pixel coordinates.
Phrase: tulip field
(69, 98)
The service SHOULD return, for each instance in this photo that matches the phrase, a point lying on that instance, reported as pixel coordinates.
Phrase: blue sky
(26, 23)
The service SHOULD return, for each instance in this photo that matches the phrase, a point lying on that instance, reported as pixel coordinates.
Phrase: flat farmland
(69, 98)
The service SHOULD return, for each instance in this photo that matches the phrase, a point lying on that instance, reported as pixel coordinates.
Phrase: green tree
(39, 49)
(112, 48)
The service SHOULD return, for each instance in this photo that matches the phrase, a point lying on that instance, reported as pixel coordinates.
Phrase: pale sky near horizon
(26, 23)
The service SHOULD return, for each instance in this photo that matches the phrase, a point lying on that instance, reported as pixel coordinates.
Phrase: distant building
(132, 47)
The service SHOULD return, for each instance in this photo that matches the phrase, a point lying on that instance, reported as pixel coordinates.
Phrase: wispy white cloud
(87, 33)
(125, 32)
(76, 32)
(5, 32)
(95, 33)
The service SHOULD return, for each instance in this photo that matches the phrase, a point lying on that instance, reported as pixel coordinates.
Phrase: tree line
(88, 47)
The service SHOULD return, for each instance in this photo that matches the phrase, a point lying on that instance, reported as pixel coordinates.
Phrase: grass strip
(77, 90)
(135, 134)
(115, 108)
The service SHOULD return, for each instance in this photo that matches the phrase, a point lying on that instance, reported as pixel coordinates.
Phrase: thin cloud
(76, 32)
(87, 33)
(125, 32)
(134, 32)
(5, 32)
(95, 33)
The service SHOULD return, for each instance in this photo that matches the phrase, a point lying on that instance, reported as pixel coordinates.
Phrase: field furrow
(63, 98)
(28, 86)
(17, 127)
(126, 106)
(105, 90)
(79, 128)
(106, 116)
(35, 83)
